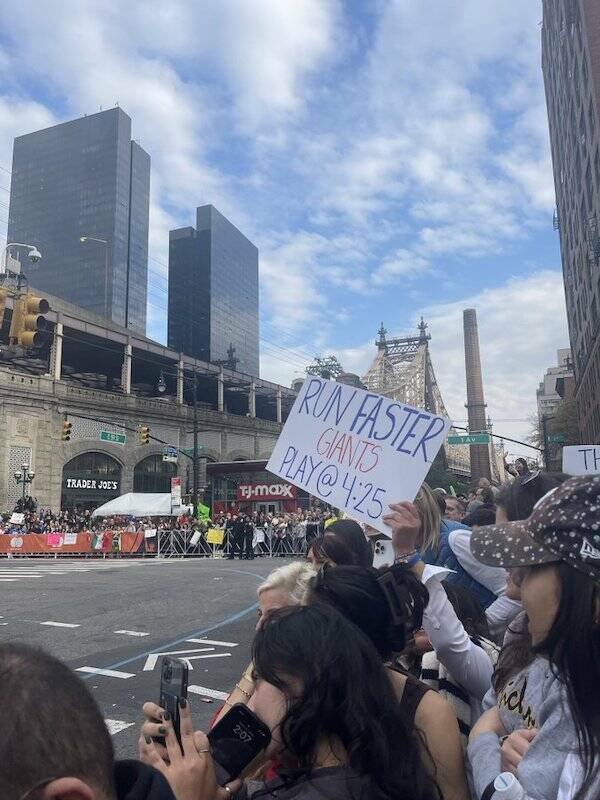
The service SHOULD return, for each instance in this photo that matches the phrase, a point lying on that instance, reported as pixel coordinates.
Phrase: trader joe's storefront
(89, 480)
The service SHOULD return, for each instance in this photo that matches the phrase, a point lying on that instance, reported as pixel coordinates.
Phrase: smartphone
(235, 741)
(173, 687)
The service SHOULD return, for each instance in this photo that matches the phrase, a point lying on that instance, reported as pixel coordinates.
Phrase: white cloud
(359, 160)
(522, 323)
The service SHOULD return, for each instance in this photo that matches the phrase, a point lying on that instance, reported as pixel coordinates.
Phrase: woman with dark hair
(516, 499)
(387, 605)
(326, 697)
(344, 542)
(550, 706)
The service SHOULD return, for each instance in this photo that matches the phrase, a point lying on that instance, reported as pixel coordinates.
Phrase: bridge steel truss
(403, 371)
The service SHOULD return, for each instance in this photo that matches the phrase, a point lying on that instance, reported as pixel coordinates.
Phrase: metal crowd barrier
(181, 544)
(178, 544)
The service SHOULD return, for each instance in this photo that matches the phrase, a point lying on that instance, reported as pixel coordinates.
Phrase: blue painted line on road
(228, 621)
(233, 618)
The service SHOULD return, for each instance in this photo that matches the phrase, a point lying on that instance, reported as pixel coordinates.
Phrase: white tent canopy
(139, 504)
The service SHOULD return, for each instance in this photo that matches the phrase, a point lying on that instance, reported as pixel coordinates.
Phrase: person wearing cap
(551, 700)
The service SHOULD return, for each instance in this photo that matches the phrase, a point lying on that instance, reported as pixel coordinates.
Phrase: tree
(440, 476)
(562, 429)
(566, 422)
(327, 367)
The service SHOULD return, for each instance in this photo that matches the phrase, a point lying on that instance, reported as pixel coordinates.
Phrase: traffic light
(66, 431)
(144, 434)
(29, 327)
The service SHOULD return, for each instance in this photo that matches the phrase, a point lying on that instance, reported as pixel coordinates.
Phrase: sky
(389, 158)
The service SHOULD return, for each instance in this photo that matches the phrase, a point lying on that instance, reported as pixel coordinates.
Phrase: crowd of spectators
(464, 669)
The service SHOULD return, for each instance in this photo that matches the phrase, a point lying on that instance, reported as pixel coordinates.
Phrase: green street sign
(470, 438)
(189, 451)
(556, 438)
(115, 438)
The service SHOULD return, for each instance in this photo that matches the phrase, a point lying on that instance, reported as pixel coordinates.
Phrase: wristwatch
(408, 559)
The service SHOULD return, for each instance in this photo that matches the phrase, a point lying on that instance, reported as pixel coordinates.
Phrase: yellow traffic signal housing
(66, 431)
(29, 327)
(36, 327)
(144, 434)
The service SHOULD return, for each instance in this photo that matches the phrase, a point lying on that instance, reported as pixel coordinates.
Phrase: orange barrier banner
(45, 543)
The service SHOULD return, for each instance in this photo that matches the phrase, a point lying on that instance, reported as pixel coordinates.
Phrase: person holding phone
(326, 698)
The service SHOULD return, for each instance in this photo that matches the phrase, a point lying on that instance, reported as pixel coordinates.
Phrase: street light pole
(195, 461)
(83, 239)
(24, 476)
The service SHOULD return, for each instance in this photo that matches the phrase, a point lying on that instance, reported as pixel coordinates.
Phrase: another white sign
(70, 538)
(356, 450)
(17, 519)
(150, 533)
(581, 459)
(175, 494)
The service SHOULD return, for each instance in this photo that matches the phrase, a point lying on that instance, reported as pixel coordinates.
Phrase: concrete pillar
(56, 352)
(180, 381)
(220, 392)
(279, 414)
(126, 371)
(252, 400)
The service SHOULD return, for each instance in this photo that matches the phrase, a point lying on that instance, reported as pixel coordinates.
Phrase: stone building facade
(32, 411)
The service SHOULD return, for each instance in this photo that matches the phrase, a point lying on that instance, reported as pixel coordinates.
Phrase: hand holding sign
(405, 522)
(356, 450)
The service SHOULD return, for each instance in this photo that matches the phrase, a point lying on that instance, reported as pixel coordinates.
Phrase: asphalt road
(116, 615)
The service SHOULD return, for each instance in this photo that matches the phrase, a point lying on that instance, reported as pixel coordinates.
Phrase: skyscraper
(213, 292)
(85, 178)
(480, 453)
(571, 67)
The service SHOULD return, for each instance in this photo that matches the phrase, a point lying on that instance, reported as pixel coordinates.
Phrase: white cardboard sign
(581, 459)
(355, 449)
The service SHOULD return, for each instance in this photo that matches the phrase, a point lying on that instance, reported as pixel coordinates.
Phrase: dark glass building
(213, 292)
(85, 178)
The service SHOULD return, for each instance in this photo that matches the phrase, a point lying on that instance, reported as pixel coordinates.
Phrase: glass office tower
(213, 291)
(85, 178)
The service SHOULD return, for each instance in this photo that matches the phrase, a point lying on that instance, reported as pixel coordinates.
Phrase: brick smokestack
(480, 455)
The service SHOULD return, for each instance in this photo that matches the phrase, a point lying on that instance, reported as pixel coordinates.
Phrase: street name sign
(470, 438)
(115, 438)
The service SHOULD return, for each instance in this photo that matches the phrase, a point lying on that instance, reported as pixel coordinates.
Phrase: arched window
(152, 474)
(89, 480)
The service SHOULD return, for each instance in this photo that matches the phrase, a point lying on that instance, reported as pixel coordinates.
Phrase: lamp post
(84, 239)
(24, 477)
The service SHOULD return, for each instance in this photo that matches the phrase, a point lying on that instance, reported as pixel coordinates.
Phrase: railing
(164, 544)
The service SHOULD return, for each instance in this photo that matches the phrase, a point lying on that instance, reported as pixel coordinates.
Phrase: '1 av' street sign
(470, 438)
(115, 438)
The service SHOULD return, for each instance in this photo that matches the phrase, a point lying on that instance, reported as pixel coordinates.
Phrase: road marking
(212, 641)
(244, 612)
(110, 673)
(153, 657)
(133, 633)
(21, 574)
(60, 624)
(202, 690)
(8, 580)
(117, 725)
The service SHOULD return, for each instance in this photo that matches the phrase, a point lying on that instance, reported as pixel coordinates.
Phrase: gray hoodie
(534, 698)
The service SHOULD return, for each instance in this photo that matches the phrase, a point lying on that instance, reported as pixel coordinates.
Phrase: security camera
(34, 255)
